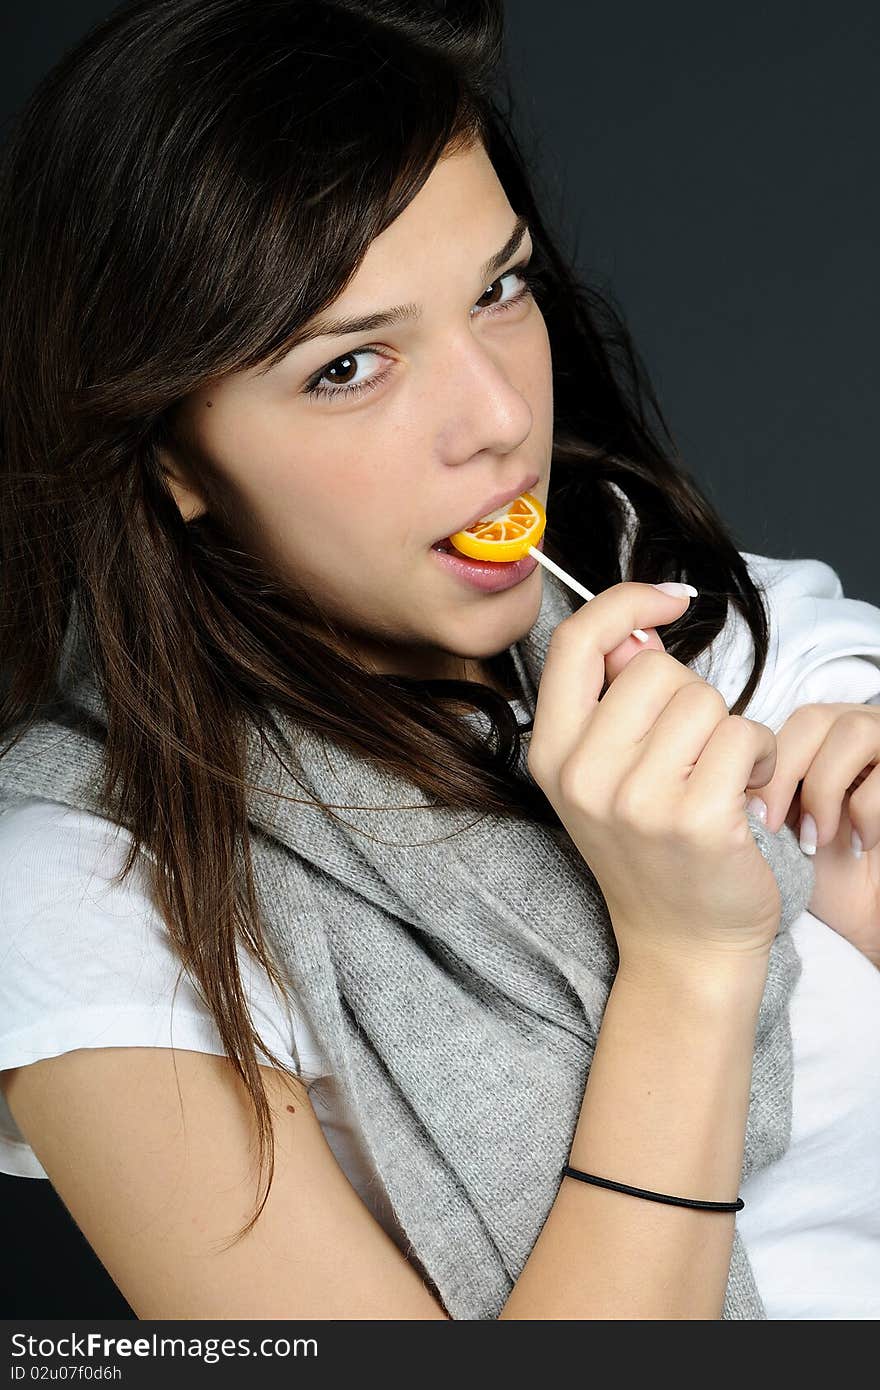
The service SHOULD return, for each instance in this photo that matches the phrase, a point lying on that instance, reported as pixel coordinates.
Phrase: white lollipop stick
(573, 584)
(551, 565)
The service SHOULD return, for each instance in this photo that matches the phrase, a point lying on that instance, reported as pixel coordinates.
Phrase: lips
(491, 505)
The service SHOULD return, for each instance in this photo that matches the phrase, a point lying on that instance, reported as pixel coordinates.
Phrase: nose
(486, 411)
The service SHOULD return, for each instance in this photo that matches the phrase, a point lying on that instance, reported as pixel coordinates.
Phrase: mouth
(493, 505)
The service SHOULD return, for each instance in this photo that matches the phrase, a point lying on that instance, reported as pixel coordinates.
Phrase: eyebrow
(401, 313)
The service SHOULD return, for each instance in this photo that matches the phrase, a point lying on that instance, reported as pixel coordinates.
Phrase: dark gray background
(715, 167)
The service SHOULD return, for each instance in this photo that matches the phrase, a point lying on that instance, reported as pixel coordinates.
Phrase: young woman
(280, 311)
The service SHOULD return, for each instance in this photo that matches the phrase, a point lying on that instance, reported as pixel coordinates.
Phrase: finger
(637, 699)
(737, 745)
(764, 767)
(851, 744)
(574, 671)
(797, 743)
(679, 735)
(793, 815)
(864, 810)
(621, 656)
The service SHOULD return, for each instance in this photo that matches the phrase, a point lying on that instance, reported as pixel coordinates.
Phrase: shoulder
(823, 646)
(86, 961)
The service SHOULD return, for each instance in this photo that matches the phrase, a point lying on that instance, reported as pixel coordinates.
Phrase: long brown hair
(191, 183)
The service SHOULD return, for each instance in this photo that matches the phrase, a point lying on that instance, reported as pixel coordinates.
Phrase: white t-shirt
(86, 963)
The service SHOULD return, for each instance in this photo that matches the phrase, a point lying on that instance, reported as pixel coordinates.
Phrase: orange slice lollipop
(505, 534)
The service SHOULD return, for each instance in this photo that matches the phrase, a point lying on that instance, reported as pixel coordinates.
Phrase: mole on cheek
(291, 1109)
(209, 404)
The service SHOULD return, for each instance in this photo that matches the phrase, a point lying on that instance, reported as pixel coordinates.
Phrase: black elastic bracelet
(653, 1196)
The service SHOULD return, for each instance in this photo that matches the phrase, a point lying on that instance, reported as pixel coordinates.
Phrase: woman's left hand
(827, 758)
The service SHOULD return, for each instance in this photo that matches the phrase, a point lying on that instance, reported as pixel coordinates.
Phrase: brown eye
(530, 277)
(485, 292)
(329, 371)
(335, 379)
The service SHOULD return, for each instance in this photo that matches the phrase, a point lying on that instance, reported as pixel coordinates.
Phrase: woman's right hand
(649, 781)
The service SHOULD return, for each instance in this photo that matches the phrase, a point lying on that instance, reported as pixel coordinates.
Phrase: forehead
(460, 217)
(461, 212)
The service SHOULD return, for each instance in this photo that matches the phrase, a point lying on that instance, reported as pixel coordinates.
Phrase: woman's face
(347, 493)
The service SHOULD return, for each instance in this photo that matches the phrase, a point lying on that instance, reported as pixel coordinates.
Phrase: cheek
(321, 519)
(540, 371)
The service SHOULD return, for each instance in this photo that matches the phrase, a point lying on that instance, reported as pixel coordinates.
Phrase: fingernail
(855, 840)
(808, 834)
(677, 590)
(758, 808)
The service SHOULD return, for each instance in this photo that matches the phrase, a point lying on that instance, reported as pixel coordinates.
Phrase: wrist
(701, 977)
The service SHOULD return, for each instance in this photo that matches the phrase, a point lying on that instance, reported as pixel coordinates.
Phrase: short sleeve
(85, 962)
(844, 679)
(824, 647)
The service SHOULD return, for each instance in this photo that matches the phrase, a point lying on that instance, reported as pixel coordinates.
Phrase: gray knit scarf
(455, 974)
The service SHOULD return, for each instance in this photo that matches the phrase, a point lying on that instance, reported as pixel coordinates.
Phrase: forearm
(665, 1108)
